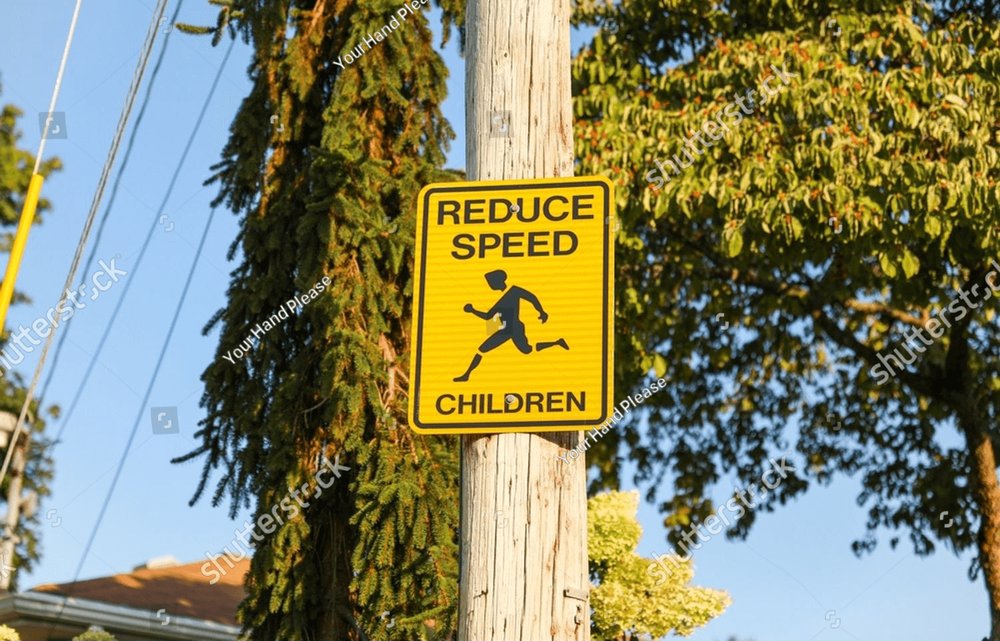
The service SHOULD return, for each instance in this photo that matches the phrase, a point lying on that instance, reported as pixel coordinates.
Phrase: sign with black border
(513, 320)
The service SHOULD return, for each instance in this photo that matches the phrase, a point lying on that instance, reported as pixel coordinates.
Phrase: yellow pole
(20, 240)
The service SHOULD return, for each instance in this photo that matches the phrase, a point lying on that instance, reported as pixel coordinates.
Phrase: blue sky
(795, 578)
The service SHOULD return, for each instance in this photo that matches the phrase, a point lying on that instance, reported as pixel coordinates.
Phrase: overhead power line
(34, 185)
(88, 268)
(34, 189)
(166, 342)
(58, 85)
(145, 398)
(95, 203)
(138, 261)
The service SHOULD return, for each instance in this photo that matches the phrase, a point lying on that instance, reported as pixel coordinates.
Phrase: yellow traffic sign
(513, 323)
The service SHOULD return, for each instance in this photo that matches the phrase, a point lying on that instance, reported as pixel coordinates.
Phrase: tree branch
(814, 307)
(880, 309)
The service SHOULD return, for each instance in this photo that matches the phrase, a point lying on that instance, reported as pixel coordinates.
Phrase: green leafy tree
(773, 274)
(626, 599)
(95, 633)
(16, 165)
(324, 161)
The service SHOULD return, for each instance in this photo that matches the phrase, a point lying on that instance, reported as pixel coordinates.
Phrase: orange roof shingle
(180, 590)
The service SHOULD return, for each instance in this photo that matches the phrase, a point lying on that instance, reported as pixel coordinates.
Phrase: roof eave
(73, 610)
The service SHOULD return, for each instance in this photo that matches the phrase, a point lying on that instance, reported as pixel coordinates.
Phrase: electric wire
(110, 204)
(159, 359)
(58, 85)
(145, 398)
(138, 261)
(91, 214)
(159, 362)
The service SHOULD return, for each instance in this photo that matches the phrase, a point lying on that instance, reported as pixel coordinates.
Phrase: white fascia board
(72, 610)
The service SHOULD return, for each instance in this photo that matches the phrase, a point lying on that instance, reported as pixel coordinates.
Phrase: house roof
(49, 617)
(180, 590)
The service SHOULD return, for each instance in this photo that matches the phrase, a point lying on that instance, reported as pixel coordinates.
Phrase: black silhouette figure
(511, 328)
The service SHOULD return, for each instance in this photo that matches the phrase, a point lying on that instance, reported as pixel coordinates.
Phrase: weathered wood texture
(524, 511)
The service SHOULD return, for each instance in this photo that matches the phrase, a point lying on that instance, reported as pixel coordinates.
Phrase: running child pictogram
(511, 327)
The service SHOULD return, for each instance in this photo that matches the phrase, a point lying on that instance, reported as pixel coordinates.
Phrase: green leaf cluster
(16, 165)
(823, 229)
(15, 171)
(627, 601)
(95, 633)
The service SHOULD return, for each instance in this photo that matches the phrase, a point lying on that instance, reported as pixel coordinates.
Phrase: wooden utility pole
(8, 541)
(523, 570)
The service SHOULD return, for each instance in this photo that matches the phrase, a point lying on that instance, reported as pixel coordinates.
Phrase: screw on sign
(533, 259)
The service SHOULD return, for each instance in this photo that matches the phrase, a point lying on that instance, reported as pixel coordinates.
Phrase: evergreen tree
(324, 161)
(16, 165)
(775, 271)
